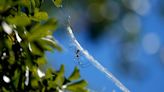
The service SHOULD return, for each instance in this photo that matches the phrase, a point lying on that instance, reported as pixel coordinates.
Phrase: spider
(78, 57)
(77, 53)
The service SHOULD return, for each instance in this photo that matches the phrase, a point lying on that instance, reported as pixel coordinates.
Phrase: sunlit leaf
(40, 16)
(36, 49)
(60, 76)
(19, 20)
(78, 86)
(33, 69)
(75, 75)
(34, 83)
(39, 31)
(44, 45)
(57, 3)
(51, 84)
(52, 43)
(49, 73)
(41, 61)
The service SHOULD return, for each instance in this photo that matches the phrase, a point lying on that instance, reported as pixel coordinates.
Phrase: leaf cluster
(25, 35)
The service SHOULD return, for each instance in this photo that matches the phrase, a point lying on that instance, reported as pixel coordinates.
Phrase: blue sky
(106, 50)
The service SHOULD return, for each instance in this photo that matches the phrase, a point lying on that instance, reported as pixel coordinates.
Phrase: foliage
(25, 36)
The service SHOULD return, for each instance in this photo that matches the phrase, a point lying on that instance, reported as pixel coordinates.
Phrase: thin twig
(95, 62)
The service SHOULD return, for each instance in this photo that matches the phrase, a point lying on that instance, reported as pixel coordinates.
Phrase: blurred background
(125, 36)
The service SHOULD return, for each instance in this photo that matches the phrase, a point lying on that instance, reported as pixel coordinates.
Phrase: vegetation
(25, 36)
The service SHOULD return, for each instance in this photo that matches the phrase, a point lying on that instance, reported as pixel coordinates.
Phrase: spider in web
(80, 60)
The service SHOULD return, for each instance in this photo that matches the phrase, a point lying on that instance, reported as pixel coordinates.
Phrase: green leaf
(57, 3)
(75, 75)
(15, 78)
(51, 84)
(49, 73)
(26, 3)
(60, 76)
(36, 49)
(34, 69)
(78, 86)
(33, 3)
(5, 90)
(38, 3)
(6, 4)
(34, 83)
(43, 89)
(19, 20)
(44, 45)
(81, 83)
(38, 16)
(39, 31)
(41, 61)
(52, 43)
(11, 58)
(35, 30)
